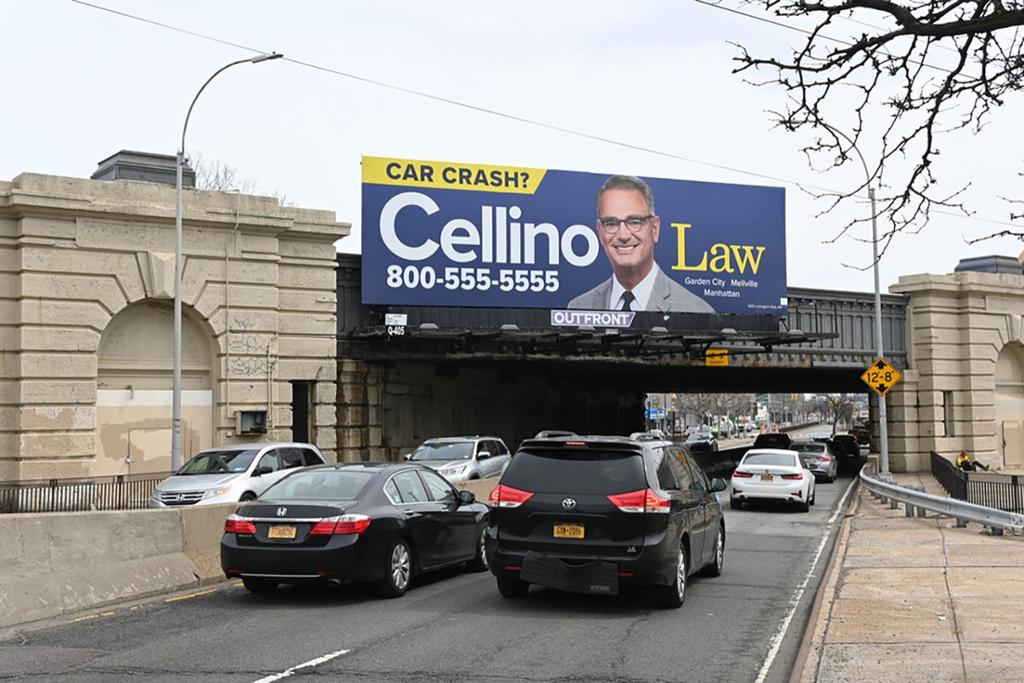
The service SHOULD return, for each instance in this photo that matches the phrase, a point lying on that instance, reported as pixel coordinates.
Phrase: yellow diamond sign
(881, 376)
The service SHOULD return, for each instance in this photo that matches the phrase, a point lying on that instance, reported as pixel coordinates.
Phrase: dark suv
(773, 440)
(583, 514)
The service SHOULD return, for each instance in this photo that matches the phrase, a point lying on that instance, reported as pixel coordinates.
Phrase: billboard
(462, 234)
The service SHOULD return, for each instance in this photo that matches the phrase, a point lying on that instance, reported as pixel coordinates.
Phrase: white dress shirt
(642, 292)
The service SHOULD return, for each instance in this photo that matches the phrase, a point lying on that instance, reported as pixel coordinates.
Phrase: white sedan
(772, 474)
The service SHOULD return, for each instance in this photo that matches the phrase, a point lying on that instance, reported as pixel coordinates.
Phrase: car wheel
(256, 584)
(735, 503)
(804, 506)
(512, 586)
(247, 496)
(674, 594)
(479, 561)
(398, 571)
(814, 496)
(715, 568)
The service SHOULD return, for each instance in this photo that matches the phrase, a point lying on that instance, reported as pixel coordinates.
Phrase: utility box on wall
(250, 422)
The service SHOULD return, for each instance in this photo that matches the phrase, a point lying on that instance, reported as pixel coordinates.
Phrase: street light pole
(179, 265)
(883, 424)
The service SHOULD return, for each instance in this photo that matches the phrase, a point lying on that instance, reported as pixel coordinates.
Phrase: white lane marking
(794, 602)
(305, 665)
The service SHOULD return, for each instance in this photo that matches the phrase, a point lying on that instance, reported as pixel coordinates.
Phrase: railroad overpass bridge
(511, 373)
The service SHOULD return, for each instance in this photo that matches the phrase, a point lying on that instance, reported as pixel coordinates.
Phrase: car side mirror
(483, 455)
(260, 471)
(717, 484)
(466, 497)
(408, 456)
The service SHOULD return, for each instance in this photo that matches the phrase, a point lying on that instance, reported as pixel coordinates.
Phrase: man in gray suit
(628, 229)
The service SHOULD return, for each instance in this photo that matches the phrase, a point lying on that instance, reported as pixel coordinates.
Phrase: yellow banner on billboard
(447, 175)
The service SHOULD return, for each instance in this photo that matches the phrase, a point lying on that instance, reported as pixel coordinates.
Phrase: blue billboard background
(456, 240)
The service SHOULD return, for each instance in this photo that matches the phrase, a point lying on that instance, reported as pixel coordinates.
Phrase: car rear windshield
(319, 485)
(772, 440)
(218, 462)
(770, 459)
(451, 450)
(808, 447)
(577, 471)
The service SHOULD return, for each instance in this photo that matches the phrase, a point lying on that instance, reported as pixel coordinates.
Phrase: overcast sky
(80, 84)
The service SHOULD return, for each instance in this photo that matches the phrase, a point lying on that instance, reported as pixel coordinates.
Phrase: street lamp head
(264, 58)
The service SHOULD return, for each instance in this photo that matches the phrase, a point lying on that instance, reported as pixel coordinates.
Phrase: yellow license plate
(287, 532)
(568, 531)
(766, 477)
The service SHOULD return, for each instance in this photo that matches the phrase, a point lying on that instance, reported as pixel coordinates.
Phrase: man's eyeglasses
(634, 223)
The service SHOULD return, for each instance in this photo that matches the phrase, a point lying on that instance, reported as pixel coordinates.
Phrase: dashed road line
(305, 665)
(189, 596)
(92, 617)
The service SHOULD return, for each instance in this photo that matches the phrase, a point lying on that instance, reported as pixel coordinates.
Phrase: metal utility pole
(179, 266)
(883, 425)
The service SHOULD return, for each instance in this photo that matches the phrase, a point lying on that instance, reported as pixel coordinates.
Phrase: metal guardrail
(917, 502)
(118, 492)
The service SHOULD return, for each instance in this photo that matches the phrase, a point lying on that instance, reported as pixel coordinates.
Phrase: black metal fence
(949, 476)
(999, 491)
(119, 492)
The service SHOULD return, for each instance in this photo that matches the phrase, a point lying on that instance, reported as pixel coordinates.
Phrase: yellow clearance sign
(716, 358)
(447, 175)
(881, 376)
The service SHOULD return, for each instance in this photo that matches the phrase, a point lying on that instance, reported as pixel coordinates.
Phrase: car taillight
(740, 474)
(640, 501)
(345, 524)
(798, 476)
(508, 497)
(236, 525)
(822, 458)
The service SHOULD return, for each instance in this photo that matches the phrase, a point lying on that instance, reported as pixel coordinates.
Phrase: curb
(809, 654)
(109, 609)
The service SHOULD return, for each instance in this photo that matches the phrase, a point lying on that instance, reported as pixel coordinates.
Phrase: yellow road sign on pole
(881, 376)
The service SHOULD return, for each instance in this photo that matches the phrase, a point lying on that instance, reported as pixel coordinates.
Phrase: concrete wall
(78, 256)
(957, 327)
(60, 563)
(385, 410)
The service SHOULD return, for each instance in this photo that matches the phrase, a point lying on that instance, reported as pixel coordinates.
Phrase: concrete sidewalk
(916, 599)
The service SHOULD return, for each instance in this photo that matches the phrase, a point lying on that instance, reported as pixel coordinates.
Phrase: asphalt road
(742, 626)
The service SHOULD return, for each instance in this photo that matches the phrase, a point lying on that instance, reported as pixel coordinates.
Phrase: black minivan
(584, 513)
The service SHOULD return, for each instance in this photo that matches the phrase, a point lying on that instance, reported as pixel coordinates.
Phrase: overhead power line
(513, 117)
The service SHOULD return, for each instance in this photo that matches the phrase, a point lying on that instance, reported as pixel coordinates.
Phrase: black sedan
(379, 523)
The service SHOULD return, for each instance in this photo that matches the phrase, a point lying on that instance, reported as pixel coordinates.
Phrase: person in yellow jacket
(965, 462)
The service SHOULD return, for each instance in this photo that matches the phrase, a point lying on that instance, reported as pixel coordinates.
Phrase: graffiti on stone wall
(252, 347)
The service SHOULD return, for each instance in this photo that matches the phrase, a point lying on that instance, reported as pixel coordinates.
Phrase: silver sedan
(817, 458)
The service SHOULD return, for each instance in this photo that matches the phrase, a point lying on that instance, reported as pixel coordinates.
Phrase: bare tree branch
(218, 176)
(891, 68)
